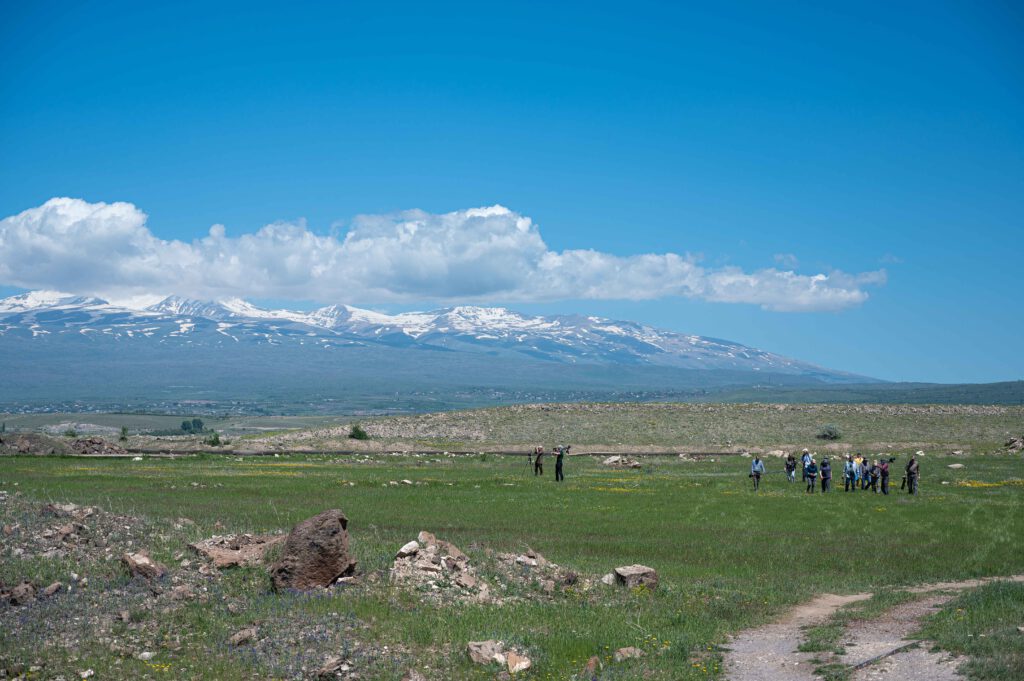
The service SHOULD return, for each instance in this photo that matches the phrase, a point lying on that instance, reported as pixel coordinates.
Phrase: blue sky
(804, 137)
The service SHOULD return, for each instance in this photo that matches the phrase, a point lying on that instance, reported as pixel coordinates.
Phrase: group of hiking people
(859, 472)
(536, 460)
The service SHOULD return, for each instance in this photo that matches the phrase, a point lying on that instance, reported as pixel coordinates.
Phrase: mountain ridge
(572, 339)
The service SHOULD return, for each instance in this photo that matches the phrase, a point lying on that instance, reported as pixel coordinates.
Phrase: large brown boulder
(315, 553)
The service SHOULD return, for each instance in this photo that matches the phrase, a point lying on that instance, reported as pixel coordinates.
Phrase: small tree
(829, 432)
(3, 427)
(70, 432)
(357, 433)
(124, 434)
(213, 440)
(197, 425)
(186, 426)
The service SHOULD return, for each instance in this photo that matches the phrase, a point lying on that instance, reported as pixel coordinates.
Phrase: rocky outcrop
(437, 565)
(315, 554)
(95, 446)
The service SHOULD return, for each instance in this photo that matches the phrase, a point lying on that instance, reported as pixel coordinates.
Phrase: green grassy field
(727, 558)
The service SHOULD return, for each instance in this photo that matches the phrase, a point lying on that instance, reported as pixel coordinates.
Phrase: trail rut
(878, 646)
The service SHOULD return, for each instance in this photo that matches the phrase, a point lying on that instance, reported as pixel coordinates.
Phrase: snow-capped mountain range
(235, 323)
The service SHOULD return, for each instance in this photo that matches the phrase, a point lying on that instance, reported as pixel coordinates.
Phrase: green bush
(124, 434)
(829, 432)
(213, 440)
(70, 432)
(357, 433)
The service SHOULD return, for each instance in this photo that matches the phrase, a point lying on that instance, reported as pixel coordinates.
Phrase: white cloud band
(476, 255)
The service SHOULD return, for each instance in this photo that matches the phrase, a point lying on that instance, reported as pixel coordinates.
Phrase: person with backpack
(791, 468)
(811, 472)
(756, 471)
(883, 469)
(559, 453)
(805, 459)
(913, 472)
(826, 476)
(865, 473)
(850, 474)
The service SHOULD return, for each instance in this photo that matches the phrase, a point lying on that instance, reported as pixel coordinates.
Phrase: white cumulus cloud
(476, 255)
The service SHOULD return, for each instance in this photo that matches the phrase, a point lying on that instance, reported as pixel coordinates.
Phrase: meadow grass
(983, 624)
(701, 426)
(728, 558)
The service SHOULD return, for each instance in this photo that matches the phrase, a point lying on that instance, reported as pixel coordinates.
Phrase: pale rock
(516, 663)
(628, 653)
(486, 652)
(242, 637)
(408, 549)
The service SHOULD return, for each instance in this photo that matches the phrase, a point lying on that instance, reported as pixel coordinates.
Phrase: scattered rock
(73, 511)
(413, 675)
(232, 550)
(621, 462)
(486, 652)
(141, 565)
(609, 579)
(628, 653)
(182, 593)
(315, 553)
(516, 663)
(636, 575)
(242, 637)
(1015, 444)
(146, 656)
(23, 594)
(52, 589)
(426, 538)
(955, 466)
(332, 666)
(592, 667)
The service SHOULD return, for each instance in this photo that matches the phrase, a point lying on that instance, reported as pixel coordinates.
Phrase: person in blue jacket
(756, 471)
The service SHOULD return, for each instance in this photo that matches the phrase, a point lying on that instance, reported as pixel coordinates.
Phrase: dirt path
(879, 646)
(769, 653)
